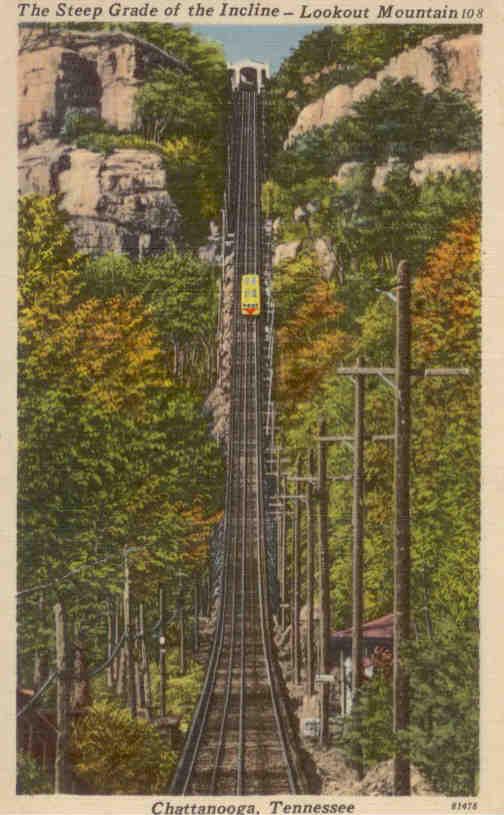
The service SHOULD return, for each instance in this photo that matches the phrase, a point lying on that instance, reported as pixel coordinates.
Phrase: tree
(112, 452)
(181, 294)
(116, 754)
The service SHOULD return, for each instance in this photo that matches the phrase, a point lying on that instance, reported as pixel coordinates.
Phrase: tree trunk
(62, 782)
(145, 664)
(81, 691)
(110, 645)
(182, 650)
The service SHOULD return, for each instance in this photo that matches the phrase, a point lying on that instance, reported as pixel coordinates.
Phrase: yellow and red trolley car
(250, 295)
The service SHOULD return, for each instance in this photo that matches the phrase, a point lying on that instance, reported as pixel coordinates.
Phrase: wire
(33, 589)
(100, 668)
(39, 693)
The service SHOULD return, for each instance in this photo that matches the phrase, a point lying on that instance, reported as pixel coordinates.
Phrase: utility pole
(129, 637)
(162, 653)
(295, 576)
(399, 380)
(145, 663)
(296, 586)
(357, 543)
(110, 644)
(117, 621)
(402, 621)
(323, 499)
(278, 525)
(196, 604)
(41, 668)
(62, 782)
(139, 684)
(310, 687)
(182, 653)
(283, 562)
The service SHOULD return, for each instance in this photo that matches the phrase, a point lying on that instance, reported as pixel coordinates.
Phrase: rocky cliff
(117, 202)
(446, 164)
(451, 63)
(430, 165)
(92, 71)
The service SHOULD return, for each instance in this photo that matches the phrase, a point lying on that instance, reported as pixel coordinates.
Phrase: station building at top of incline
(248, 73)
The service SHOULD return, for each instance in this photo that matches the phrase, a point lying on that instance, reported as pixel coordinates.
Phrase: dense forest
(116, 359)
(348, 236)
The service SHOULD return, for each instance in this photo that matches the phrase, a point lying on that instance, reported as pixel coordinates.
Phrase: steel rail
(262, 565)
(241, 723)
(185, 767)
(241, 388)
(244, 545)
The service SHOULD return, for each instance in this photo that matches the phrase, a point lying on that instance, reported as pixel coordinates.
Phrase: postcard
(251, 437)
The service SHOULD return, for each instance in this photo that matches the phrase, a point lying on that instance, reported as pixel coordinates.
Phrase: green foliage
(115, 754)
(182, 691)
(443, 734)
(195, 172)
(31, 778)
(81, 122)
(398, 120)
(180, 292)
(342, 55)
(369, 732)
(114, 446)
(106, 140)
(174, 104)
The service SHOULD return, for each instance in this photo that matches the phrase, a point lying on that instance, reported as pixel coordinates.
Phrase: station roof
(248, 63)
(380, 629)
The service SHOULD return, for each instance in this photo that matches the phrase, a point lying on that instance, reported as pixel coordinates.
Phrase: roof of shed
(380, 629)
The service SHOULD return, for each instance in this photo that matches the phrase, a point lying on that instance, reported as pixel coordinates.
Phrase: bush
(114, 753)
(370, 726)
(445, 711)
(182, 692)
(79, 122)
(443, 732)
(31, 778)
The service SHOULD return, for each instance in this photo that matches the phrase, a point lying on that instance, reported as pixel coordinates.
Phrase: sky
(263, 43)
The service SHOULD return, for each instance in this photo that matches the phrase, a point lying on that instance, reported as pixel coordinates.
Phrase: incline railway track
(241, 740)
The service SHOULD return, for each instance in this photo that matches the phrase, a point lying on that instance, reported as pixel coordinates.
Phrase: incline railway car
(250, 295)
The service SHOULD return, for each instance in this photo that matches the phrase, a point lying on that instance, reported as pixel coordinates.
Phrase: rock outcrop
(431, 164)
(286, 251)
(446, 164)
(218, 402)
(453, 64)
(117, 203)
(98, 72)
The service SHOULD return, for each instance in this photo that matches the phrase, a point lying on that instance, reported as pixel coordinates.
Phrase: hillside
(144, 126)
(119, 177)
(377, 158)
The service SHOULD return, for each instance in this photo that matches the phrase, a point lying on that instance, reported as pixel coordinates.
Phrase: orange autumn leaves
(117, 353)
(446, 294)
(308, 343)
(445, 306)
(105, 429)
